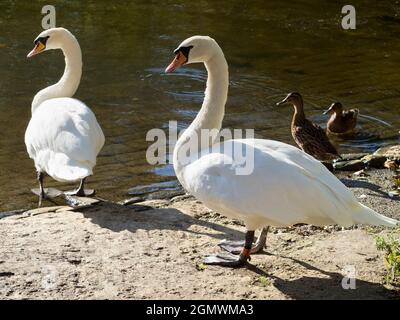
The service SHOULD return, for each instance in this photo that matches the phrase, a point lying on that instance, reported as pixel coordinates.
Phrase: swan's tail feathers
(365, 215)
(64, 169)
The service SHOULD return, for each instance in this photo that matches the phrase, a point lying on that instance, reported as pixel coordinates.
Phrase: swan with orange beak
(63, 136)
(285, 187)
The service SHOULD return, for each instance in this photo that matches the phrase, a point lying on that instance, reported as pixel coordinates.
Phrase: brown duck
(310, 137)
(341, 122)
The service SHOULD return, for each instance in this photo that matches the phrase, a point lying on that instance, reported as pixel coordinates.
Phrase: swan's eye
(185, 51)
(42, 40)
(181, 58)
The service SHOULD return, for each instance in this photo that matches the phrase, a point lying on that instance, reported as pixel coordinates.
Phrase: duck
(276, 185)
(310, 137)
(341, 122)
(63, 137)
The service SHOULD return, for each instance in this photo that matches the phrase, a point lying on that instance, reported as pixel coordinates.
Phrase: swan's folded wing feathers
(64, 132)
(291, 192)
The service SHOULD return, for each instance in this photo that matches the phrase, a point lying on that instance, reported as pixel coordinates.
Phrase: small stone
(391, 165)
(361, 173)
(363, 196)
(129, 201)
(391, 152)
(64, 209)
(394, 193)
(37, 211)
(181, 198)
(374, 161)
(352, 156)
(80, 202)
(352, 165)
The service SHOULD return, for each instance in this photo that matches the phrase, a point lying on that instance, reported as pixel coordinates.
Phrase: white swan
(63, 136)
(287, 186)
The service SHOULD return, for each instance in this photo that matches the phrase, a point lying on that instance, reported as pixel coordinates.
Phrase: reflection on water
(272, 48)
(158, 190)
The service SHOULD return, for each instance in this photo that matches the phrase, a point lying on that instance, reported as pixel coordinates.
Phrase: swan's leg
(42, 194)
(81, 189)
(81, 192)
(229, 260)
(261, 241)
(235, 247)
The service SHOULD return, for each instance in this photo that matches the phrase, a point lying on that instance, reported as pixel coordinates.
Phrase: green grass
(201, 267)
(263, 281)
(391, 247)
(397, 181)
(372, 230)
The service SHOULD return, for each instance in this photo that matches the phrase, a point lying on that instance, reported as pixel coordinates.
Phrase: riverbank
(154, 250)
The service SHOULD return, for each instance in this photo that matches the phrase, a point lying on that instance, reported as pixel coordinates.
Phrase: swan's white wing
(286, 187)
(64, 138)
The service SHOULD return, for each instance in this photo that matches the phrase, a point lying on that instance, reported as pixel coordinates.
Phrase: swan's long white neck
(71, 78)
(212, 111)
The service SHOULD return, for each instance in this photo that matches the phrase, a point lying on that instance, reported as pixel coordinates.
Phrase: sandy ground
(154, 250)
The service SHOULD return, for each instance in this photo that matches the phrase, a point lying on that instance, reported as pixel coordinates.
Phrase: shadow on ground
(132, 218)
(326, 287)
(376, 189)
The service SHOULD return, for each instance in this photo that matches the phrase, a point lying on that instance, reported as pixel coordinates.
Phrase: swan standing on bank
(63, 136)
(287, 186)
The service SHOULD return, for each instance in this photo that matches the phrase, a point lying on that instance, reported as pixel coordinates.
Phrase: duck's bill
(281, 103)
(178, 61)
(39, 47)
(328, 110)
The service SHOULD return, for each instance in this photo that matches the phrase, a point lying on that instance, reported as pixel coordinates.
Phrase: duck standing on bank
(286, 186)
(63, 136)
(341, 122)
(310, 137)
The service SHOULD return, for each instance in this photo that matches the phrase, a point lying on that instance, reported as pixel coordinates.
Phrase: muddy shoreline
(154, 249)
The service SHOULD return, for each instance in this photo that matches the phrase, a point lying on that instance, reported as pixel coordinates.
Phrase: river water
(272, 48)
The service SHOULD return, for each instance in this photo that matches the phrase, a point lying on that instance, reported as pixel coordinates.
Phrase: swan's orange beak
(39, 47)
(179, 60)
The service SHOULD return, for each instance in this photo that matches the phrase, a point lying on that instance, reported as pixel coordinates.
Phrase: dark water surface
(272, 47)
